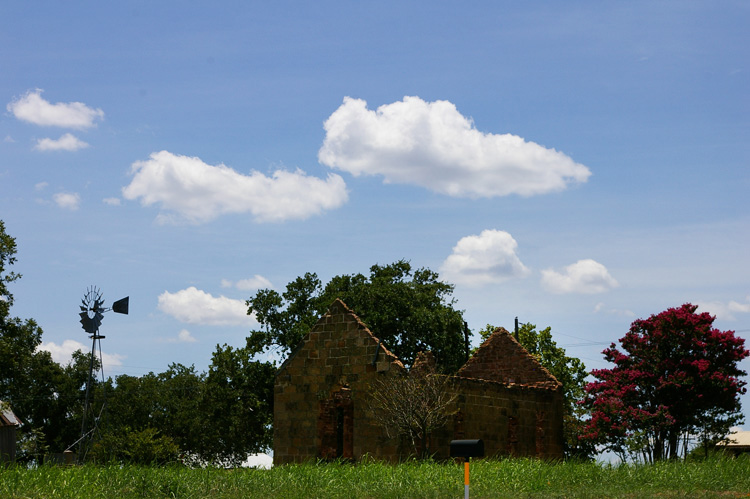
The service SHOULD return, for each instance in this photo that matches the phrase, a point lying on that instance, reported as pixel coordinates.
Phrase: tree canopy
(676, 376)
(216, 417)
(408, 310)
(44, 395)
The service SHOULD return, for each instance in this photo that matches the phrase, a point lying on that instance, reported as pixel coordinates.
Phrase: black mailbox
(467, 448)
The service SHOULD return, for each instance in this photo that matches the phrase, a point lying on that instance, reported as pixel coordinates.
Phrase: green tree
(7, 258)
(408, 310)
(64, 411)
(153, 417)
(238, 405)
(38, 389)
(179, 411)
(569, 371)
(126, 445)
(676, 376)
(217, 417)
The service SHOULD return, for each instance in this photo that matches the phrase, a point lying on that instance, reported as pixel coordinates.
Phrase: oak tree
(43, 394)
(409, 310)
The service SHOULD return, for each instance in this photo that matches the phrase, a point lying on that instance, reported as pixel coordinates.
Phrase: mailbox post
(467, 449)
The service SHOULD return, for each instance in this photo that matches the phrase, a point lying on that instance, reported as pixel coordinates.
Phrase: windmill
(92, 313)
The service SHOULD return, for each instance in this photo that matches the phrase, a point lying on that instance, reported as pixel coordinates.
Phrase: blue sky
(575, 164)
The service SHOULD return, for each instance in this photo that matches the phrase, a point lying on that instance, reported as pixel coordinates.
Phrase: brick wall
(510, 401)
(320, 411)
(501, 358)
(512, 420)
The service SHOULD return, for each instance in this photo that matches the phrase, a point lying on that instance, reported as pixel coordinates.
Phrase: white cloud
(601, 308)
(197, 192)
(34, 109)
(112, 201)
(487, 258)
(62, 354)
(432, 145)
(251, 284)
(194, 306)
(9, 140)
(40, 186)
(584, 276)
(68, 142)
(725, 311)
(66, 200)
(184, 336)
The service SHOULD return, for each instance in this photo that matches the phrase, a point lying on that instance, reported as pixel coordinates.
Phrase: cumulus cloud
(184, 336)
(600, 308)
(67, 200)
(189, 189)
(67, 142)
(251, 284)
(112, 201)
(725, 311)
(584, 276)
(432, 145)
(194, 306)
(62, 354)
(33, 108)
(487, 258)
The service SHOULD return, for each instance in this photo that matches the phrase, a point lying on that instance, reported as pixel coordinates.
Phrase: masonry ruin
(504, 396)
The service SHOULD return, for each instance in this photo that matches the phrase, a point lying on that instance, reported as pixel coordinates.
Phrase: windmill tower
(92, 313)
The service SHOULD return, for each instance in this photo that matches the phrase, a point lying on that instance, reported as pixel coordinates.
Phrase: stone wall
(510, 401)
(512, 420)
(319, 409)
(501, 358)
(504, 396)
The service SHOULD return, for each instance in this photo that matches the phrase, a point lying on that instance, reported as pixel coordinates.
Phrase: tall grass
(489, 479)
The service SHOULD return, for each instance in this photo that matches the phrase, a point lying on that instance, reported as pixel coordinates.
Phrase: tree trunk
(674, 440)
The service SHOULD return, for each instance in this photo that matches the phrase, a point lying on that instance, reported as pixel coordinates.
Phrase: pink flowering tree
(676, 378)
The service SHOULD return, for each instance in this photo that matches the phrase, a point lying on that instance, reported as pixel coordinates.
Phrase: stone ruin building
(505, 397)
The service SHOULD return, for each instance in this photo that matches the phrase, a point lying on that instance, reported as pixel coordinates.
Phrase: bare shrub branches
(413, 405)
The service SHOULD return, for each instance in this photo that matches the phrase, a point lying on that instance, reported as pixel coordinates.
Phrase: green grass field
(490, 479)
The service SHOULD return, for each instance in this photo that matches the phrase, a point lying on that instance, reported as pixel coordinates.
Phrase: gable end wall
(336, 355)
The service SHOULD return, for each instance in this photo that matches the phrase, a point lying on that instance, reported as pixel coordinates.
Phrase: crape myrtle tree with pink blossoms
(676, 379)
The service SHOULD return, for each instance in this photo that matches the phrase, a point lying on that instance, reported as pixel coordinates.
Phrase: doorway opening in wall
(339, 432)
(336, 426)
